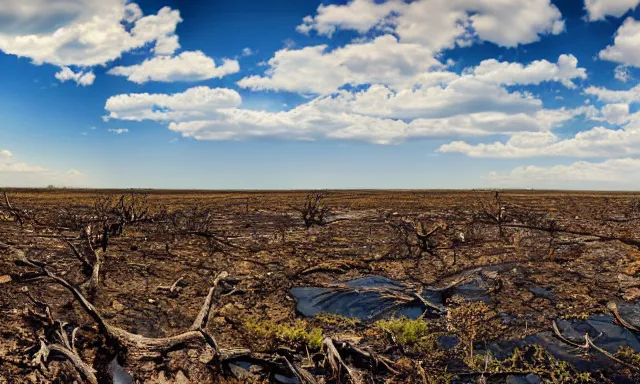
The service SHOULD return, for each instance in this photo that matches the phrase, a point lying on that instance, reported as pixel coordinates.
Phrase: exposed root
(174, 289)
(559, 335)
(589, 344)
(375, 361)
(60, 342)
(12, 211)
(613, 307)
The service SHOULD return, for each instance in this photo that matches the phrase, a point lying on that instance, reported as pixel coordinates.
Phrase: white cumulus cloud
(187, 66)
(616, 113)
(440, 24)
(536, 72)
(83, 33)
(598, 9)
(597, 142)
(625, 45)
(317, 70)
(427, 105)
(197, 102)
(631, 95)
(622, 73)
(81, 78)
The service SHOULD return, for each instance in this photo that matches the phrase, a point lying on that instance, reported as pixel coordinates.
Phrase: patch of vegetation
(627, 354)
(413, 336)
(405, 332)
(296, 334)
(470, 322)
(577, 316)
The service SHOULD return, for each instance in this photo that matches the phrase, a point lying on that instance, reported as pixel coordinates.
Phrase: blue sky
(309, 94)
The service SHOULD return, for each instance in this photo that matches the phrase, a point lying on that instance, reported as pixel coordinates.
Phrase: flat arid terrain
(319, 286)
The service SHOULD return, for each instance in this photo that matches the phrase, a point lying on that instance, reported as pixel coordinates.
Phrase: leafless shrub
(134, 208)
(493, 211)
(313, 210)
(197, 221)
(417, 237)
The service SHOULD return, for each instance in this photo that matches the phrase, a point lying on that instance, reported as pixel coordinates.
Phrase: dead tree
(313, 210)
(494, 212)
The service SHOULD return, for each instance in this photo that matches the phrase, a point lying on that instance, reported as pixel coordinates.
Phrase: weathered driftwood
(135, 346)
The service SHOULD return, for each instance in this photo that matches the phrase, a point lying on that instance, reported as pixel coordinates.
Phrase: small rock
(181, 378)
(219, 321)
(115, 304)
(151, 301)
(5, 279)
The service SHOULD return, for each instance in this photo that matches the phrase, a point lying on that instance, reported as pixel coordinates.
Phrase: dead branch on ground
(134, 346)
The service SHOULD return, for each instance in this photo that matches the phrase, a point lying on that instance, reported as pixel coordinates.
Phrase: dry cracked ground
(319, 287)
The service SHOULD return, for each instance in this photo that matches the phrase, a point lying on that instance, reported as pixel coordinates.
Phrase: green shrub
(295, 335)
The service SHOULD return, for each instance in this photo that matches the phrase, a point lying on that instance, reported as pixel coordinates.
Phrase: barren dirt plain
(376, 287)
